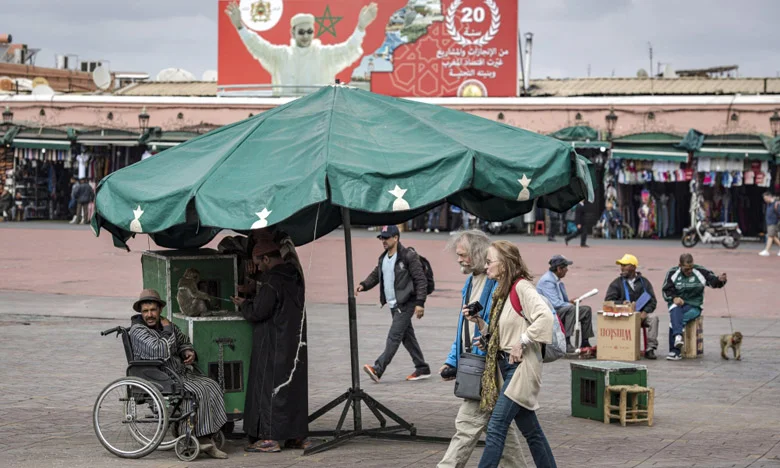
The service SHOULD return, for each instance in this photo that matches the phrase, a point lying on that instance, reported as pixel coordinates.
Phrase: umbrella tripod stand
(355, 396)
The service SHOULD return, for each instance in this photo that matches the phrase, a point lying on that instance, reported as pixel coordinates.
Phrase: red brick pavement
(72, 261)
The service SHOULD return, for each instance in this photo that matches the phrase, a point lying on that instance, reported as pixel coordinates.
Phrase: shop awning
(591, 144)
(649, 153)
(649, 147)
(576, 133)
(162, 144)
(40, 144)
(736, 146)
(107, 142)
(108, 137)
(754, 154)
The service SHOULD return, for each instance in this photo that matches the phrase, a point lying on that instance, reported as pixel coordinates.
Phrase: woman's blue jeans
(504, 413)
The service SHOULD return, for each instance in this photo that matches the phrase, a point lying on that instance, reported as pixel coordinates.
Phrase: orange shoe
(417, 375)
(371, 373)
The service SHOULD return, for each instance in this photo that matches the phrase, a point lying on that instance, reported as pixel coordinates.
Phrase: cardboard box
(618, 334)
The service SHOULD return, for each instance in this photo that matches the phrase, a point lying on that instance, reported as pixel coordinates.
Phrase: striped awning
(31, 143)
(649, 153)
(755, 153)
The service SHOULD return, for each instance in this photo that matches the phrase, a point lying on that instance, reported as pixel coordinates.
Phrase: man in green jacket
(683, 291)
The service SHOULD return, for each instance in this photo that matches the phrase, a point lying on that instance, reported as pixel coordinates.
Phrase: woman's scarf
(490, 376)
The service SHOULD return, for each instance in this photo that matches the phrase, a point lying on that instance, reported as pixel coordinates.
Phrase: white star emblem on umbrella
(262, 222)
(524, 194)
(399, 204)
(135, 224)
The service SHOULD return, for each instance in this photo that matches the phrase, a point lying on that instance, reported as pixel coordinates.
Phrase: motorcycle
(727, 234)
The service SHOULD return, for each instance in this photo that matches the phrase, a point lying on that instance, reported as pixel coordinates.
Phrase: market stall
(648, 177)
(336, 157)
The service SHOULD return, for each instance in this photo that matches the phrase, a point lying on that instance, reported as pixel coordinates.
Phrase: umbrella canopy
(385, 159)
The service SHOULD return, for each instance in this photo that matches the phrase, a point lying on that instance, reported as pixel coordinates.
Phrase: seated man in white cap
(305, 62)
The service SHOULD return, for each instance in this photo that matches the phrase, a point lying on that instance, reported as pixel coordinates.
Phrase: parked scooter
(727, 234)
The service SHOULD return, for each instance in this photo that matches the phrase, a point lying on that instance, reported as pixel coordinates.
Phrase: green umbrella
(385, 159)
(338, 156)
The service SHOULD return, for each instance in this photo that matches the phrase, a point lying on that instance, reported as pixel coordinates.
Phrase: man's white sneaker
(673, 357)
(765, 253)
(678, 341)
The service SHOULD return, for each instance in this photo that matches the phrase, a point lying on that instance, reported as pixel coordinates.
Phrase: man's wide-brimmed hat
(148, 295)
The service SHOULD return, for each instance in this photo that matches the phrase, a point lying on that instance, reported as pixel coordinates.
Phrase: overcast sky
(610, 35)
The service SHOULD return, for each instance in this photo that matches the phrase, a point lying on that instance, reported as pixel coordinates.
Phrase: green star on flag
(332, 20)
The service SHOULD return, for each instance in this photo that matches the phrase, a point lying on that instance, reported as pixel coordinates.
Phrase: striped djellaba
(167, 346)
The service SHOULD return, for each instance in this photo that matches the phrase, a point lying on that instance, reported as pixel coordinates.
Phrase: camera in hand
(474, 308)
(449, 372)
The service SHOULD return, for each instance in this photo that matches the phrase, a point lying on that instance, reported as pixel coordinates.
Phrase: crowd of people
(505, 317)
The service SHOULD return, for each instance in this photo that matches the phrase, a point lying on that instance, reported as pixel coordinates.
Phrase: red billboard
(424, 48)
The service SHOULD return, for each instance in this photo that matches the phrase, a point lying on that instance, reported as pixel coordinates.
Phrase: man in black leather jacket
(400, 274)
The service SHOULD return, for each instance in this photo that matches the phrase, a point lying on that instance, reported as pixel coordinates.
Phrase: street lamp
(611, 119)
(143, 119)
(774, 122)
(8, 115)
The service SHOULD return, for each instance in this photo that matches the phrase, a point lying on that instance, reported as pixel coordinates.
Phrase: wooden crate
(589, 379)
(694, 338)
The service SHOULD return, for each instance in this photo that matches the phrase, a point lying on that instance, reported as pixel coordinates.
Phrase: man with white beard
(471, 249)
(305, 62)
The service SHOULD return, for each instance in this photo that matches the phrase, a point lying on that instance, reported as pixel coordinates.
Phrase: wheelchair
(142, 412)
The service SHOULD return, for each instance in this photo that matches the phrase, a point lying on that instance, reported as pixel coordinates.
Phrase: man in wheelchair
(153, 337)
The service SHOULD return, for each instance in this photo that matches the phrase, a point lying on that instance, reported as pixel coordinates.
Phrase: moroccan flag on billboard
(423, 48)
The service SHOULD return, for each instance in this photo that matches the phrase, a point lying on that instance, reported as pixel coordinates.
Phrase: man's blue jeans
(504, 413)
(680, 316)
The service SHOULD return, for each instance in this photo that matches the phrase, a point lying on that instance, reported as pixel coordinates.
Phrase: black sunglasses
(301, 32)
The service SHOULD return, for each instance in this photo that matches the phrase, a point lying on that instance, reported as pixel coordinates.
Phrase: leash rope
(301, 343)
(728, 309)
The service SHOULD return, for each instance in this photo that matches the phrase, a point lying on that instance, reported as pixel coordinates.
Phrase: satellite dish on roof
(101, 77)
(6, 83)
(42, 90)
(209, 75)
(38, 81)
(175, 74)
(641, 73)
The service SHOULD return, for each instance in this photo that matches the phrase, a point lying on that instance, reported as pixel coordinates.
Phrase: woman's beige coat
(538, 326)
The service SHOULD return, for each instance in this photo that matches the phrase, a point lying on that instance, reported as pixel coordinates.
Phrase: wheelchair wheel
(129, 418)
(219, 439)
(168, 441)
(187, 448)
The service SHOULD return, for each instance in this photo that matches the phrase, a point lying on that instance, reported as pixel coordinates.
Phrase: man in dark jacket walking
(631, 286)
(579, 220)
(83, 194)
(404, 288)
(277, 402)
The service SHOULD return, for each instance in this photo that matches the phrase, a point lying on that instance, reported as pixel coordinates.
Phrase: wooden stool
(539, 228)
(629, 396)
(693, 335)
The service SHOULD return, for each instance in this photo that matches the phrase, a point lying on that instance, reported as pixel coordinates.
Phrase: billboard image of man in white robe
(306, 63)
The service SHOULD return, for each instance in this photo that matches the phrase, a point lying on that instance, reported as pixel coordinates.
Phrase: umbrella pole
(352, 308)
(355, 395)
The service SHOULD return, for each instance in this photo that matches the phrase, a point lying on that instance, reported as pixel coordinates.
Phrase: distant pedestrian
(83, 194)
(579, 221)
(772, 223)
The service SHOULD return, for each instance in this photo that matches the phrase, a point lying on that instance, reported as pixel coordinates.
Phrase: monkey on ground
(192, 301)
(733, 341)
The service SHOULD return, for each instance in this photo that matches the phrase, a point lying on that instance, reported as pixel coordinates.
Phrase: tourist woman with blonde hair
(514, 348)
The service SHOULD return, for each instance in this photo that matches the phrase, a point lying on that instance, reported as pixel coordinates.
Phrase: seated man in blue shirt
(551, 287)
